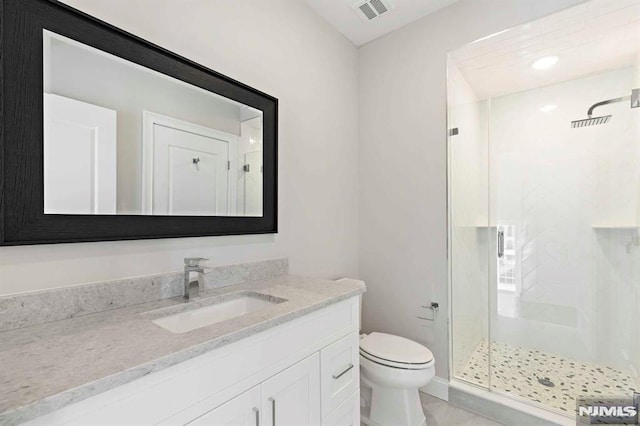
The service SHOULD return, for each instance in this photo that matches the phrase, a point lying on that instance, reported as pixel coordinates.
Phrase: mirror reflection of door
(187, 168)
(249, 187)
(79, 157)
(253, 183)
(187, 157)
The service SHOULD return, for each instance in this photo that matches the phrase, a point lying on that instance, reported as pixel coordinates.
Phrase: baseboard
(437, 387)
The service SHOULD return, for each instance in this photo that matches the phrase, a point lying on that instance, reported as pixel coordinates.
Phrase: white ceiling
(592, 37)
(342, 17)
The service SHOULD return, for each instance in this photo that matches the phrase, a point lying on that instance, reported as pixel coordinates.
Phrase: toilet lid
(396, 349)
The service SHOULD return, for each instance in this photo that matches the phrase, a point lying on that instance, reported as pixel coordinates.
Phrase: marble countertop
(48, 366)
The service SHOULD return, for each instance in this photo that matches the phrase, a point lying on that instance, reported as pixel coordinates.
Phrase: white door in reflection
(253, 183)
(193, 181)
(79, 157)
(189, 173)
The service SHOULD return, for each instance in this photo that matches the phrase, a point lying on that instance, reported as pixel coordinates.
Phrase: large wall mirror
(106, 136)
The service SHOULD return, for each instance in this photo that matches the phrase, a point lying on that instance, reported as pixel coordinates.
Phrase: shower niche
(544, 205)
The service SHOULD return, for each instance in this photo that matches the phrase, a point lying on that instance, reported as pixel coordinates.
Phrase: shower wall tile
(554, 183)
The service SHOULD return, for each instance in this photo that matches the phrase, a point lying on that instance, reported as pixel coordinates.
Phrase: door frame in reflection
(151, 119)
(80, 172)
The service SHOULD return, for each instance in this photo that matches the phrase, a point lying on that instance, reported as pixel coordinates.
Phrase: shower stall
(544, 208)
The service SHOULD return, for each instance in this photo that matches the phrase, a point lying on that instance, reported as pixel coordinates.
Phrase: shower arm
(607, 102)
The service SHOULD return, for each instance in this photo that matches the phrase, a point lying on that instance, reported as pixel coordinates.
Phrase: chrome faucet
(191, 264)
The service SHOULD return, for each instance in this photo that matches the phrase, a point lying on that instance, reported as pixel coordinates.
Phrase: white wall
(403, 220)
(283, 48)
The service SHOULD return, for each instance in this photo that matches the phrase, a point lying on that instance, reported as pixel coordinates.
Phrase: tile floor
(520, 371)
(441, 413)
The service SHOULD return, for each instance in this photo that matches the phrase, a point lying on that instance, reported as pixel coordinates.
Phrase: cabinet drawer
(340, 371)
(347, 414)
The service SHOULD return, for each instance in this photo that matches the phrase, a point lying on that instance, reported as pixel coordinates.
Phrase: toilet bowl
(392, 369)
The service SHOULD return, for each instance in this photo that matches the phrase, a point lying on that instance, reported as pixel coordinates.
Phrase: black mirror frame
(22, 218)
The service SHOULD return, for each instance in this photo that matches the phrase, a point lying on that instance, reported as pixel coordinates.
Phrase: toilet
(392, 369)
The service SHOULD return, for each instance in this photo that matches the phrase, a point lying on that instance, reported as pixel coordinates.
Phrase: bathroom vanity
(291, 359)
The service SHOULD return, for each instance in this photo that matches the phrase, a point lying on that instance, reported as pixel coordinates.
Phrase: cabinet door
(292, 397)
(243, 410)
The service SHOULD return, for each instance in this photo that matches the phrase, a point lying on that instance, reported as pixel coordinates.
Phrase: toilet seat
(395, 351)
(392, 364)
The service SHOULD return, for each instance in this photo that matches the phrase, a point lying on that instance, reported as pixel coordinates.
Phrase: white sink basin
(214, 313)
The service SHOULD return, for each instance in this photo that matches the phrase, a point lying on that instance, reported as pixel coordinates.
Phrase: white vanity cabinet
(302, 372)
(291, 397)
(243, 410)
(347, 414)
(340, 372)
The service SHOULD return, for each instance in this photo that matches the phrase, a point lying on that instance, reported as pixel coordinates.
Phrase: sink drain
(546, 382)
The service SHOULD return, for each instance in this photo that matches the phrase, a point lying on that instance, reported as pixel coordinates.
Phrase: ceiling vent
(371, 9)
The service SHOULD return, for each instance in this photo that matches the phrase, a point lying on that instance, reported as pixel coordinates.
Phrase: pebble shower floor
(519, 371)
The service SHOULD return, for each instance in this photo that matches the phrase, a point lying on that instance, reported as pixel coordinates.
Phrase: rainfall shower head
(591, 121)
(594, 121)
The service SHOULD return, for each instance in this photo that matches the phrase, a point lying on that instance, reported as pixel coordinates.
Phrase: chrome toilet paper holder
(434, 306)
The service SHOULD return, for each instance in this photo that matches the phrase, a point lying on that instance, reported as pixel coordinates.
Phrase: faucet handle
(194, 261)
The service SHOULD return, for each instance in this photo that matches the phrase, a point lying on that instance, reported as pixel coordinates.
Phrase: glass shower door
(470, 231)
(564, 198)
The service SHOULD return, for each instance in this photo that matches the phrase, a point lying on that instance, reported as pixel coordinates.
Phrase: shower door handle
(500, 243)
